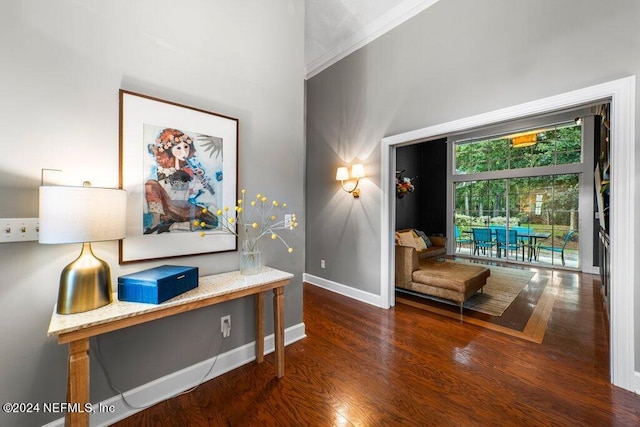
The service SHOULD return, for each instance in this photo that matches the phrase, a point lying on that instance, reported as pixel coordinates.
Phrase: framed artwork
(179, 166)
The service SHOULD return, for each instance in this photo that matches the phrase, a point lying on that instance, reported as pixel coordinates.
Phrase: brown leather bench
(448, 280)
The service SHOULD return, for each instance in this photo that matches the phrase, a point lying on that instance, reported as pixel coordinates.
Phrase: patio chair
(557, 249)
(513, 244)
(461, 240)
(482, 240)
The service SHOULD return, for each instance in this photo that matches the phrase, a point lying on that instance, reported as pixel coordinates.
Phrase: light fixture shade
(357, 171)
(342, 174)
(81, 214)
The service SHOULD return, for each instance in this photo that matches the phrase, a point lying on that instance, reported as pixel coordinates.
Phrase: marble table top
(208, 286)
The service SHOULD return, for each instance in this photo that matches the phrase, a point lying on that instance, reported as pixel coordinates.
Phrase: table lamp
(82, 215)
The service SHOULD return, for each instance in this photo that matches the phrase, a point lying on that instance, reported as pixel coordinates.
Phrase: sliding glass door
(548, 207)
(529, 218)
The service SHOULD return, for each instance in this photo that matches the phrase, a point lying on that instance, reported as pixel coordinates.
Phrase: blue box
(158, 284)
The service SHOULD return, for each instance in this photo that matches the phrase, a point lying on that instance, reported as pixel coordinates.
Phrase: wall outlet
(225, 325)
(322, 264)
(287, 220)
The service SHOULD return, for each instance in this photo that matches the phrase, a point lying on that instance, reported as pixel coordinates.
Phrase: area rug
(536, 324)
(502, 288)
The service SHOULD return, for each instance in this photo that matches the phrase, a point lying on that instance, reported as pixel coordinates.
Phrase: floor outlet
(225, 325)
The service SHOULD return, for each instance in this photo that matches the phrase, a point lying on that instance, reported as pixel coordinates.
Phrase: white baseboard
(175, 383)
(341, 289)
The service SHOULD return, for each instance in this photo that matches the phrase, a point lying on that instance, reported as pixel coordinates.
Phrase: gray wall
(63, 63)
(456, 59)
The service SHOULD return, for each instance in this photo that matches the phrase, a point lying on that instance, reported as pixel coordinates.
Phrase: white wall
(63, 62)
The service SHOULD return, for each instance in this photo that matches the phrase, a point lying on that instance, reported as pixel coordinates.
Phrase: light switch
(19, 229)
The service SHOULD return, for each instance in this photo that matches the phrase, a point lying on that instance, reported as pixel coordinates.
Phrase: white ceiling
(335, 28)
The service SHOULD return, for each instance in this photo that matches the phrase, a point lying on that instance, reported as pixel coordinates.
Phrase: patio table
(532, 240)
(531, 236)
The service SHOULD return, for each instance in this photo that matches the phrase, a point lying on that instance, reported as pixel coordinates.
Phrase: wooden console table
(76, 329)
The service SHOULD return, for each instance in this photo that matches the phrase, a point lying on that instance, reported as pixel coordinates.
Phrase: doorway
(621, 94)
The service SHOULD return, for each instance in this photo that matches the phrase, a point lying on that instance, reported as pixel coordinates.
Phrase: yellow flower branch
(257, 220)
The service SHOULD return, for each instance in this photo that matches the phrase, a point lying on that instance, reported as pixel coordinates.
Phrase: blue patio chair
(513, 244)
(493, 228)
(557, 249)
(482, 240)
(460, 240)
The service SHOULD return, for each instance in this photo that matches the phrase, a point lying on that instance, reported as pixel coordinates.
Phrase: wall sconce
(82, 215)
(357, 172)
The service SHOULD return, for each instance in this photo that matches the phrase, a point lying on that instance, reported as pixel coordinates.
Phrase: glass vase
(250, 259)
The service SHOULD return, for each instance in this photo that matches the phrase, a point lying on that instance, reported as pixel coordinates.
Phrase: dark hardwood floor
(364, 366)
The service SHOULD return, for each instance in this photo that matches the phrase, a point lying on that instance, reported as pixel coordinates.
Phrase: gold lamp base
(85, 284)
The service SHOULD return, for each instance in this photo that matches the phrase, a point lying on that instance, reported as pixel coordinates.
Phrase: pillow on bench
(414, 238)
(424, 237)
(427, 247)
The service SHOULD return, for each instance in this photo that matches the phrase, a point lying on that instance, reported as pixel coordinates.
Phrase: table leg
(259, 327)
(78, 383)
(278, 329)
(532, 247)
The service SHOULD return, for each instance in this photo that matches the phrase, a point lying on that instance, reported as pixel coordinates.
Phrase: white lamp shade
(81, 214)
(357, 171)
(342, 174)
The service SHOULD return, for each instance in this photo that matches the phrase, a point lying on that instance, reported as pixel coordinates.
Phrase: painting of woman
(179, 189)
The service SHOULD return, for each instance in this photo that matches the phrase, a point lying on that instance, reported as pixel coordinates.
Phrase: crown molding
(394, 17)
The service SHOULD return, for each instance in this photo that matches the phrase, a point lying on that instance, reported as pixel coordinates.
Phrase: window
(550, 146)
